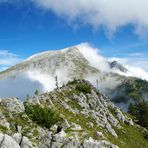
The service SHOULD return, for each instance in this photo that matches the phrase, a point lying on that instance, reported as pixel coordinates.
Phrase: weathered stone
(91, 143)
(7, 142)
(13, 105)
(23, 141)
(76, 127)
(65, 124)
(99, 134)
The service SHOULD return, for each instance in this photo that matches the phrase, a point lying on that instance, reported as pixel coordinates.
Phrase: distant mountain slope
(130, 91)
(89, 120)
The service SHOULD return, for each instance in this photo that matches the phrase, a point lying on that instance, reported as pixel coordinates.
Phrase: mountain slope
(130, 91)
(90, 120)
(66, 64)
(78, 62)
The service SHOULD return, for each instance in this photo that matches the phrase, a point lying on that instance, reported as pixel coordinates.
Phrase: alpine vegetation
(71, 116)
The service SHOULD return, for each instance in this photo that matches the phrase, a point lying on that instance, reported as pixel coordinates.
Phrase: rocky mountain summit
(39, 72)
(117, 65)
(77, 115)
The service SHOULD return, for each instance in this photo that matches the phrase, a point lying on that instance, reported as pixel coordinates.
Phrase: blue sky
(34, 26)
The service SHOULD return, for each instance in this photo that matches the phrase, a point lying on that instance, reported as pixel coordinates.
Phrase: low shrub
(43, 116)
(85, 88)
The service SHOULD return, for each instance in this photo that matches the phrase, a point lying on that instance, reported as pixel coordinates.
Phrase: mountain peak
(77, 62)
(117, 65)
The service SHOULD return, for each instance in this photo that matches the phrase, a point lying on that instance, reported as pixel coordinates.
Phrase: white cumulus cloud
(135, 63)
(109, 13)
(93, 56)
(136, 66)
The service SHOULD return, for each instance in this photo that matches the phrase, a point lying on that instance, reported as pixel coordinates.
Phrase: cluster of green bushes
(85, 88)
(43, 116)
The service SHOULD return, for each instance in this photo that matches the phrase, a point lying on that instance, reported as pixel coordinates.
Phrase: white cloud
(139, 62)
(137, 59)
(47, 81)
(120, 60)
(109, 13)
(93, 56)
(137, 72)
(19, 86)
(136, 64)
(136, 54)
(8, 59)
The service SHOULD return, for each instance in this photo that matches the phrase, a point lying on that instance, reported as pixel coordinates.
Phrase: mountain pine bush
(43, 116)
(85, 88)
(139, 109)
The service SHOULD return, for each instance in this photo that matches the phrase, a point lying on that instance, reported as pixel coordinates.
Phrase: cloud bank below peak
(111, 14)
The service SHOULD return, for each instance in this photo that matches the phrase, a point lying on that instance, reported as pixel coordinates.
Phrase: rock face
(118, 66)
(90, 120)
(13, 105)
(7, 142)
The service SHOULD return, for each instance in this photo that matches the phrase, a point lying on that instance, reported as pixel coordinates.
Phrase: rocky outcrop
(91, 143)
(23, 141)
(7, 142)
(91, 120)
(12, 105)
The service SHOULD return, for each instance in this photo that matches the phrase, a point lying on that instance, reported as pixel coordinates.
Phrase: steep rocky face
(90, 120)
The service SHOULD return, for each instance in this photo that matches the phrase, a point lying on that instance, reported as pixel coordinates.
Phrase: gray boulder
(7, 142)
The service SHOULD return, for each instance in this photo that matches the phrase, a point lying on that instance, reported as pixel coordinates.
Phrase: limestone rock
(12, 105)
(99, 134)
(23, 141)
(7, 142)
(76, 127)
(91, 143)
(65, 124)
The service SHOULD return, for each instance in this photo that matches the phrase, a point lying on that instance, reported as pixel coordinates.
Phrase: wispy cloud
(137, 54)
(111, 14)
(137, 59)
(8, 59)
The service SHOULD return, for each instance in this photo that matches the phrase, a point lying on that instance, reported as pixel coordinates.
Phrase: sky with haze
(119, 29)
